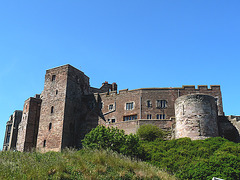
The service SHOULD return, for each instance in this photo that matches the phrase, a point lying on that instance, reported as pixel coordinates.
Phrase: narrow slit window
(52, 109)
(44, 143)
(53, 77)
(56, 92)
(50, 126)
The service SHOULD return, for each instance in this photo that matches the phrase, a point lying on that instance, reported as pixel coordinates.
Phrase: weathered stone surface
(28, 127)
(11, 132)
(196, 117)
(69, 108)
(66, 116)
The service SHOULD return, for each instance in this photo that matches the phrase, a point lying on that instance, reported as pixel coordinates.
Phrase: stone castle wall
(28, 127)
(196, 117)
(52, 109)
(142, 97)
(11, 132)
(70, 108)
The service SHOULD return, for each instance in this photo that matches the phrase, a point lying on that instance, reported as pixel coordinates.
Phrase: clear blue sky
(135, 43)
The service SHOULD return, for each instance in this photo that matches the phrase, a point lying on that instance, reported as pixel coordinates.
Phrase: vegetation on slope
(71, 164)
(199, 159)
(187, 159)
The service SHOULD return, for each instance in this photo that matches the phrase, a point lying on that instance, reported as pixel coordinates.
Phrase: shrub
(114, 139)
(150, 132)
(199, 159)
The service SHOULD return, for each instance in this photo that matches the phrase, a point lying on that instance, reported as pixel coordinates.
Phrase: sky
(135, 43)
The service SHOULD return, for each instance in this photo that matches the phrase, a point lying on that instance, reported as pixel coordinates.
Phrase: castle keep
(69, 107)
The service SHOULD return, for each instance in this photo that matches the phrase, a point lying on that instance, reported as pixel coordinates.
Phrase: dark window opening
(160, 116)
(161, 103)
(50, 126)
(9, 128)
(149, 104)
(129, 106)
(128, 118)
(44, 143)
(113, 120)
(149, 116)
(8, 139)
(53, 77)
(52, 108)
(110, 107)
(56, 92)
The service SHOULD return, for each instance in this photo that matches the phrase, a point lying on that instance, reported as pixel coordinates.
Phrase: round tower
(196, 117)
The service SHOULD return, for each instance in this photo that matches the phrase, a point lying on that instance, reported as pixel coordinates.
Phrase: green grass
(72, 164)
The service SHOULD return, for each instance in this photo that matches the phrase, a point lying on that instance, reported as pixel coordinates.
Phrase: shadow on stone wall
(227, 130)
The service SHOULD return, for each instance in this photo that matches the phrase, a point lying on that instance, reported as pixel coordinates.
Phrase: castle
(69, 107)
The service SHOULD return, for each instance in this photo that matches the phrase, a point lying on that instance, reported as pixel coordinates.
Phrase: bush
(150, 132)
(199, 159)
(114, 139)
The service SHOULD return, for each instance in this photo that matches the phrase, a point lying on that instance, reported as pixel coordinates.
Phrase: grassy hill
(196, 159)
(71, 164)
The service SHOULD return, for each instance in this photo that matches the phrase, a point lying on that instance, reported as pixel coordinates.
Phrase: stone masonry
(69, 107)
(28, 127)
(11, 132)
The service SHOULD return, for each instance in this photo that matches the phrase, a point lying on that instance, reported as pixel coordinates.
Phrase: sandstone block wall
(229, 127)
(66, 115)
(141, 98)
(28, 128)
(196, 117)
(52, 109)
(10, 139)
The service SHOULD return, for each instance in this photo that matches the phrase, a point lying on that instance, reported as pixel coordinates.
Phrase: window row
(111, 120)
(129, 106)
(158, 116)
(128, 118)
(159, 104)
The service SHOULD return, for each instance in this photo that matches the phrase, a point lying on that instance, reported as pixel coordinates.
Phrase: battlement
(184, 87)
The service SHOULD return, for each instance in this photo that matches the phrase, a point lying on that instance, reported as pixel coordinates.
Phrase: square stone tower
(11, 132)
(62, 115)
(28, 127)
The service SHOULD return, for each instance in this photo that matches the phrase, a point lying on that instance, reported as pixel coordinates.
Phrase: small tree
(150, 132)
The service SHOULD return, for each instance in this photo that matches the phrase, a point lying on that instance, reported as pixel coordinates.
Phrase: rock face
(196, 117)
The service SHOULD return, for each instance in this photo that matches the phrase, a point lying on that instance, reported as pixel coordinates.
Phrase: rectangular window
(149, 116)
(129, 118)
(161, 103)
(44, 143)
(160, 116)
(129, 106)
(110, 107)
(9, 128)
(53, 77)
(8, 138)
(149, 104)
(113, 120)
